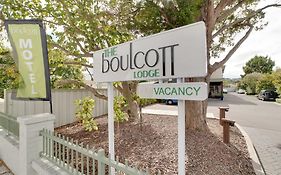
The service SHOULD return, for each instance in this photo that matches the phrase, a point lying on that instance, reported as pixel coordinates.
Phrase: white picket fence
(63, 105)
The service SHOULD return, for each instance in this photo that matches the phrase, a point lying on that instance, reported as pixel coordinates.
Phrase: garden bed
(154, 145)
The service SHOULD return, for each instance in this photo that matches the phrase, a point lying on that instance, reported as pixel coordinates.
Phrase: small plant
(84, 113)
(119, 105)
(144, 101)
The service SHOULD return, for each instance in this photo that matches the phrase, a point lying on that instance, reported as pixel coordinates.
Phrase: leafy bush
(145, 101)
(84, 113)
(250, 82)
(266, 82)
(119, 105)
(277, 80)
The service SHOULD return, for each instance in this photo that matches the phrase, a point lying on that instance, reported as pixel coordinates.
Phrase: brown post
(226, 123)
(222, 113)
(225, 132)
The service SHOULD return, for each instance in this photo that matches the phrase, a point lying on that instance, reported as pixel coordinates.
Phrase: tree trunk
(196, 111)
(195, 115)
(133, 108)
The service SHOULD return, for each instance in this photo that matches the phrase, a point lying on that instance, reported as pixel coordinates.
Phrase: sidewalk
(268, 148)
(166, 110)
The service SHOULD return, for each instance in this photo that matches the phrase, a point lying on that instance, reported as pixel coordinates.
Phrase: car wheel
(170, 102)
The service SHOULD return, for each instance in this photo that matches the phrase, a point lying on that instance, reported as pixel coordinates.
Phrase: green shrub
(145, 101)
(266, 82)
(84, 113)
(119, 105)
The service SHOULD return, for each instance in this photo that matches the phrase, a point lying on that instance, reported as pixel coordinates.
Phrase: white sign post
(181, 134)
(110, 96)
(181, 91)
(180, 52)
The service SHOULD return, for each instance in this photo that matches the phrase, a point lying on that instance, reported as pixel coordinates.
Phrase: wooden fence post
(222, 113)
(226, 124)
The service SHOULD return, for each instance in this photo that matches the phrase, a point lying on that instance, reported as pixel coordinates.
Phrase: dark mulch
(154, 145)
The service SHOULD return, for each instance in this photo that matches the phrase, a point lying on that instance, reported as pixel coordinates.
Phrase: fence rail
(80, 159)
(10, 124)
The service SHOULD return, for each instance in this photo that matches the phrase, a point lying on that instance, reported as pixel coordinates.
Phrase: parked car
(267, 95)
(171, 102)
(224, 91)
(241, 91)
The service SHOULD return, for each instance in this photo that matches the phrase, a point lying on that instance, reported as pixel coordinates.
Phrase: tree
(85, 26)
(224, 19)
(277, 80)
(266, 82)
(261, 64)
(250, 81)
(78, 29)
(60, 71)
(9, 77)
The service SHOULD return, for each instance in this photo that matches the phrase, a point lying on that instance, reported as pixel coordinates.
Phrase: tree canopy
(250, 81)
(260, 64)
(9, 77)
(80, 27)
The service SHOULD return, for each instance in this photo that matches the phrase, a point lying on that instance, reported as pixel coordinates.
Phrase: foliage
(265, 82)
(224, 20)
(9, 77)
(59, 70)
(145, 101)
(85, 26)
(119, 105)
(250, 82)
(260, 64)
(84, 113)
(277, 80)
(156, 16)
(77, 28)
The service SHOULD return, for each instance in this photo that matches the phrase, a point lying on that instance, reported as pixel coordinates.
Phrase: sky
(266, 42)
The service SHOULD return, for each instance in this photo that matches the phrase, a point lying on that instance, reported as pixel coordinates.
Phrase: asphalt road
(262, 122)
(248, 111)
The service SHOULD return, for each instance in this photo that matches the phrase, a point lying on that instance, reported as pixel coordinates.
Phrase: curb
(257, 165)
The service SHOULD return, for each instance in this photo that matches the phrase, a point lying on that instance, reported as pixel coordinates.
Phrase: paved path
(268, 146)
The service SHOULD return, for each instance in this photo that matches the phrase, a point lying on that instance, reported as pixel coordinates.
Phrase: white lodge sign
(180, 91)
(175, 53)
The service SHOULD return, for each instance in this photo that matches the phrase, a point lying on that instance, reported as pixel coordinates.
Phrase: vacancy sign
(180, 52)
(181, 91)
